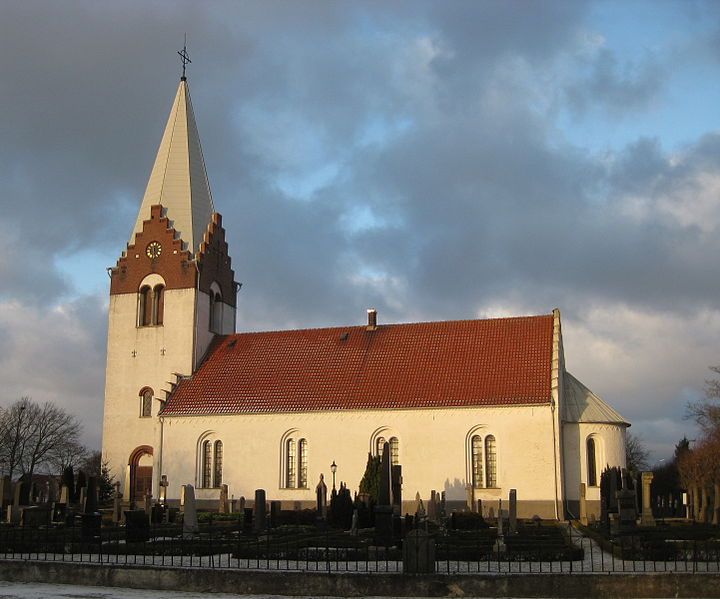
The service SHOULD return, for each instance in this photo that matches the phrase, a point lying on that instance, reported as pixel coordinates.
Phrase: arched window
(158, 302)
(146, 396)
(591, 463)
(206, 464)
(491, 461)
(145, 307)
(290, 464)
(303, 464)
(216, 311)
(217, 475)
(394, 451)
(380, 446)
(478, 479)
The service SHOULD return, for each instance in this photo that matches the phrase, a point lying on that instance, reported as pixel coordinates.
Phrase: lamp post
(333, 469)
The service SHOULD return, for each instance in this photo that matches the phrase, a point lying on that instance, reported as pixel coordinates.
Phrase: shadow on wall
(455, 491)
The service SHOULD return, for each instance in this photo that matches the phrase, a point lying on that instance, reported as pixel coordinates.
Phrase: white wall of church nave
(125, 375)
(433, 450)
(609, 451)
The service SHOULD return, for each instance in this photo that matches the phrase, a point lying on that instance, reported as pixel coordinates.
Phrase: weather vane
(184, 57)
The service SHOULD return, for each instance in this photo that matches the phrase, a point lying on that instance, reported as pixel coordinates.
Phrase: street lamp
(333, 469)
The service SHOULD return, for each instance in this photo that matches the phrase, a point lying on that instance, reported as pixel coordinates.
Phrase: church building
(471, 408)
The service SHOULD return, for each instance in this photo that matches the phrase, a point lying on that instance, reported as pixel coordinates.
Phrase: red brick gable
(463, 363)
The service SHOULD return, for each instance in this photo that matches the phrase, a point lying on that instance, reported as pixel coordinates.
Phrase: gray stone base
(244, 582)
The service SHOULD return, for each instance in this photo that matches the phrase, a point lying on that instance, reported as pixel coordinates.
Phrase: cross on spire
(184, 57)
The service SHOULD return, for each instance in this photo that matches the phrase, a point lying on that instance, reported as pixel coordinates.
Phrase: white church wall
(123, 427)
(433, 452)
(609, 451)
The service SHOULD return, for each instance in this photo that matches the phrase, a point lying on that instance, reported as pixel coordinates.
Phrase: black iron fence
(555, 549)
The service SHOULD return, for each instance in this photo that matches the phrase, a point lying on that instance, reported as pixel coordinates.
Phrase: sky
(434, 160)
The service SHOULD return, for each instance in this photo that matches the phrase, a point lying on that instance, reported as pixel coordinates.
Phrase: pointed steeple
(178, 179)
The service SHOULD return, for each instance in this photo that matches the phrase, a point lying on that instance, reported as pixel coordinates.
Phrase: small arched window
(158, 304)
(394, 451)
(145, 306)
(302, 464)
(591, 463)
(491, 461)
(146, 396)
(216, 311)
(290, 464)
(218, 465)
(380, 446)
(206, 464)
(478, 479)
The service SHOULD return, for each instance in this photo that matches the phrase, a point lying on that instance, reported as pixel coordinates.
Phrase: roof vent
(231, 344)
(344, 336)
(372, 319)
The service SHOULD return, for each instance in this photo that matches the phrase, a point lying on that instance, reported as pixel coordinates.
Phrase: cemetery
(360, 532)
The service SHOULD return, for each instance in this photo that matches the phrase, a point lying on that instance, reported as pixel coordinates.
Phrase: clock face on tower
(153, 250)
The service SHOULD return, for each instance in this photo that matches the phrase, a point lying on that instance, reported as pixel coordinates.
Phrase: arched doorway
(141, 471)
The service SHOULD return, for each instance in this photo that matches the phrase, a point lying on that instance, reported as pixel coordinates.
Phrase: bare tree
(16, 424)
(636, 454)
(72, 455)
(706, 412)
(34, 436)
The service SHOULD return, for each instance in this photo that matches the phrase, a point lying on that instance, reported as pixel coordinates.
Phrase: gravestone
(418, 553)
(583, 505)
(247, 519)
(190, 521)
(469, 497)
(90, 524)
(64, 494)
(321, 499)
(260, 515)
(275, 514)
(35, 516)
(5, 491)
(117, 508)
(480, 507)
(223, 502)
(500, 523)
(646, 518)
(13, 514)
(58, 511)
(53, 490)
(182, 498)
(162, 492)
(147, 503)
(83, 496)
(91, 501)
(354, 524)
(432, 508)
(17, 493)
(384, 508)
(512, 515)
(137, 527)
(627, 511)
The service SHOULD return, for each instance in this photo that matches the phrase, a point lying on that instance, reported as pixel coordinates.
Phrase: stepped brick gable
(214, 261)
(173, 263)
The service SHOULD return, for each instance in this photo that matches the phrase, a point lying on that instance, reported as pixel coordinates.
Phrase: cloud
(405, 156)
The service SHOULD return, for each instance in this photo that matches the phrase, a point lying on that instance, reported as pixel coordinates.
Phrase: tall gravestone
(190, 521)
(321, 499)
(260, 515)
(5, 492)
(512, 512)
(646, 517)
(117, 507)
(162, 491)
(396, 488)
(583, 505)
(223, 507)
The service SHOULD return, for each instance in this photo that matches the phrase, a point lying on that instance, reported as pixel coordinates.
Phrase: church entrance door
(141, 473)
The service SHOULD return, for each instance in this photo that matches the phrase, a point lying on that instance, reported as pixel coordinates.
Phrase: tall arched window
(394, 451)
(290, 464)
(218, 465)
(491, 461)
(145, 306)
(216, 311)
(206, 464)
(303, 464)
(591, 463)
(477, 462)
(146, 396)
(380, 446)
(158, 302)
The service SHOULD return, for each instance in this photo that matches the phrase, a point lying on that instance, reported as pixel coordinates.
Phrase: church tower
(171, 292)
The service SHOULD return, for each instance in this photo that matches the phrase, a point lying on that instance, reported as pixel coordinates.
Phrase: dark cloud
(403, 155)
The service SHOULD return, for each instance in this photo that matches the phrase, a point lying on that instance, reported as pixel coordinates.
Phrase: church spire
(178, 179)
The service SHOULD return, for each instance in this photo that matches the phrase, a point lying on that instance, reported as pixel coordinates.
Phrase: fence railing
(228, 545)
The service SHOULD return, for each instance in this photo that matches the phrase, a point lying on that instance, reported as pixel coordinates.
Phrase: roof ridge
(394, 324)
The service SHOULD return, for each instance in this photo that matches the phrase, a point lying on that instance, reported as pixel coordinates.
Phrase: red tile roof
(503, 361)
